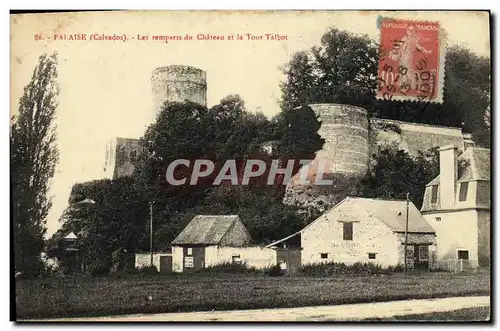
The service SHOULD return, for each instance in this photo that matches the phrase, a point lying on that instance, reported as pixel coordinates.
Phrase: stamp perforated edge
(443, 42)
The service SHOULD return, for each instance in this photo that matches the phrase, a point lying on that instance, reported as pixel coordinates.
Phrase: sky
(106, 85)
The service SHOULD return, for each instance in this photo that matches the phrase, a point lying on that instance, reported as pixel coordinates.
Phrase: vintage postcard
(251, 166)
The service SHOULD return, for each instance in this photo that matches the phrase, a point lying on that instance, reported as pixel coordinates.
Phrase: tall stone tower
(170, 83)
(178, 83)
(344, 155)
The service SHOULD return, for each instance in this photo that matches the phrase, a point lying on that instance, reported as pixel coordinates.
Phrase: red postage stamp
(411, 63)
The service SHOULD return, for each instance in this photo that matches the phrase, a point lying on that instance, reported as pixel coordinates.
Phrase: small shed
(200, 241)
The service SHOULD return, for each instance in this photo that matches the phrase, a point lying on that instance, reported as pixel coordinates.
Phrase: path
(319, 313)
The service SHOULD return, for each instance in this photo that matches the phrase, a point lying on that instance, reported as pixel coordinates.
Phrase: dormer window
(434, 193)
(463, 191)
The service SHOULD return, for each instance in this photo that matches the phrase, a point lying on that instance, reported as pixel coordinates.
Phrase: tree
(298, 133)
(185, 130)
(397, 173)
(343, 69)
(267, 219)
(117, 221)
(33, 158)
(298, 88)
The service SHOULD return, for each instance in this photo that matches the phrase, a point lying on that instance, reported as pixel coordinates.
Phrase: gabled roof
(390, 212)
(433, 182)
(206, 229)
(479, 164)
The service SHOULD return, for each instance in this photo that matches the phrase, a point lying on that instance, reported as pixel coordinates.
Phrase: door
(165, 264)
(289, 259)
(421, 256)
(463, 260)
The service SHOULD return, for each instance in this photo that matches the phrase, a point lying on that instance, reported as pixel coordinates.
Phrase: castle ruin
(350, 136)
(174, 83)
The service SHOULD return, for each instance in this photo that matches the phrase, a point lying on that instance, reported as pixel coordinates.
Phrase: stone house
(209, 240)
(363, 230)
(457, 205)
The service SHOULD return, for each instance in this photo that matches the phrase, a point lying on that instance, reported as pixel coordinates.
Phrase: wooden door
(165, 264)
(421, 256)
(289, 259)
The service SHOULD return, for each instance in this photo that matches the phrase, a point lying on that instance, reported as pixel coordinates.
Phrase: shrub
(356, 269)
(228, 267)
(274, 271)
(148, 270)
(99, 271)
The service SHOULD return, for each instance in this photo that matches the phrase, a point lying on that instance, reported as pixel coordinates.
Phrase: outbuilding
(209, 240)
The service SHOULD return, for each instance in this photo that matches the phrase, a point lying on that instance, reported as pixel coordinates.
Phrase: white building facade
(457, 205)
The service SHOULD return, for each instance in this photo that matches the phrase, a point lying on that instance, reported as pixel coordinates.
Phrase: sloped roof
(473, 164)
(390, 212)
(433, 182)
(206, 229)
(480, 163)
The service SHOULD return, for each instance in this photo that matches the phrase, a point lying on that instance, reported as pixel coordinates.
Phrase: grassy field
(56, 297)
(480, 314)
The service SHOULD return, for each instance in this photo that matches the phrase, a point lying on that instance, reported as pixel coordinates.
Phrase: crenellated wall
(178, 83)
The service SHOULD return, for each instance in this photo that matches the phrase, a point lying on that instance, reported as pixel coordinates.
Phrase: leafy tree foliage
(397, 173)
(116, 221)
(34, 155)
(266, 218)
(298, 89)
(343, 69)
(298, 134)
(119, 219)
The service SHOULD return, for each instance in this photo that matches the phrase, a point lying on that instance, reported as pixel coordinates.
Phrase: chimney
(448, 173)
(468, 142)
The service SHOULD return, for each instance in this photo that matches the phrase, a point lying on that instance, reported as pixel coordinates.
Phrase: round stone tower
(178, 83)
(344, 156)
(345, 130)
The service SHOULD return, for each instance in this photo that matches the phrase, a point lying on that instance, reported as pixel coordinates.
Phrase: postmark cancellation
(411, 61)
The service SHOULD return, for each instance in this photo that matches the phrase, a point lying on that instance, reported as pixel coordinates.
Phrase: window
(423, 253)
(372, 256)
(120, 155)
(189, 251)
(236, 259)
(348, 231)
(434, 194)
(463, 191)
(438, 219)
(463, 255)
(324, 255)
